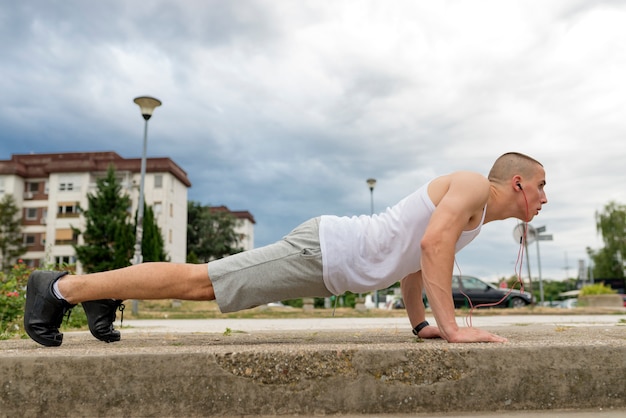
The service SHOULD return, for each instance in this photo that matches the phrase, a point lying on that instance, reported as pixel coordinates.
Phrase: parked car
(483, 293)
(480, 293)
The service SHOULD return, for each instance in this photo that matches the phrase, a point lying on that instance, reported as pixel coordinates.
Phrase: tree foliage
(109, 235)
(611, 224)
(596, 289)
(11, 238)
(210, 234)
(152, 244)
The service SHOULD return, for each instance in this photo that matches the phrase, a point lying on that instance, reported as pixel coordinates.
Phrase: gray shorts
(288, 269)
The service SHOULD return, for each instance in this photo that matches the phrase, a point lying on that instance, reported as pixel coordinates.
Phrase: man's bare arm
(465, 196)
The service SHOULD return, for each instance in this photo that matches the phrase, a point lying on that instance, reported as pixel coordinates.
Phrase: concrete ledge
(314, 373)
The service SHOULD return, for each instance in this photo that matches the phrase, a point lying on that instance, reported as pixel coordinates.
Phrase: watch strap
(420, 327)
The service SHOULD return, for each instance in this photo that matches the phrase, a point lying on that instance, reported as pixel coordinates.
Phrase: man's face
(534, 192)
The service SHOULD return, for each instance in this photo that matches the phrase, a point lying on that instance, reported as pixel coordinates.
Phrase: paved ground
(256, 325)
(592, 413)
(353, 367)
(399, 324)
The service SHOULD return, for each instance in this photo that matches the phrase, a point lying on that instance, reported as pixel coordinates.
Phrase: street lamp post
(147, 106)
(371, 183)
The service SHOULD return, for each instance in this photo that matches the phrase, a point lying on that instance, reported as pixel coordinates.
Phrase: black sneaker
(100, 316)
(44, 312)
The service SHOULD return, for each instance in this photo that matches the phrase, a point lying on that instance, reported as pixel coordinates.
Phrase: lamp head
(371, 183)
(147, 105)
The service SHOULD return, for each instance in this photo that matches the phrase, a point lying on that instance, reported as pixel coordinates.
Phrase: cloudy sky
(284, 108)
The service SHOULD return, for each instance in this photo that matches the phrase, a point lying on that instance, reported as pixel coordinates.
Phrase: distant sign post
(527, 234)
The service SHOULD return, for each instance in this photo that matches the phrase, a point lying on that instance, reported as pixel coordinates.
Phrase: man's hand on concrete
(430, 332)
(474, 335)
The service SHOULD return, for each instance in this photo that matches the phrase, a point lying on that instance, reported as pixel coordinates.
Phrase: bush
(13, 299)
(596, 289)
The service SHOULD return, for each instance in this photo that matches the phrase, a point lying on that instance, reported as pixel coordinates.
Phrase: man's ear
(516, 183)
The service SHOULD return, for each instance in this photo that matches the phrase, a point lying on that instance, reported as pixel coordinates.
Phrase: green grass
(209, 310)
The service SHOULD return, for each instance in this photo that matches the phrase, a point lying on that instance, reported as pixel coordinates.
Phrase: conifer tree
(11, 238)
(109, 234)
(152, 244)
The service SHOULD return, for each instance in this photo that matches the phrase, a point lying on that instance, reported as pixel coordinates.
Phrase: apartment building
(50, 189)
(244, 227)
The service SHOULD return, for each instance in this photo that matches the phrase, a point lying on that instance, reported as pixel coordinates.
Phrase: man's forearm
(437, 278)
(442, 306)
(411, 287)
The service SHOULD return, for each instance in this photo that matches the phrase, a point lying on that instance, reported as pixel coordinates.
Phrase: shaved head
(511, 164)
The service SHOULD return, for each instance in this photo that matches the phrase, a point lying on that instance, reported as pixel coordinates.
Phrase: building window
(66, 187)
(158, 181)
(171, 210)
(1, 185)
(31, 214)
(67, 210)
(69, 183)
(29, 262)
(32, 187)
(63, 260)
(157, 208)
(170, 236)
(29, 240)
(65, 237)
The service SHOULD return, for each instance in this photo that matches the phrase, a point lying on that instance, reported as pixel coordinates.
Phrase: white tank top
(365, 253)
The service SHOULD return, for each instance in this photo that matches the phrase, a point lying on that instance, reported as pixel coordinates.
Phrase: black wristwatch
(420, 327)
